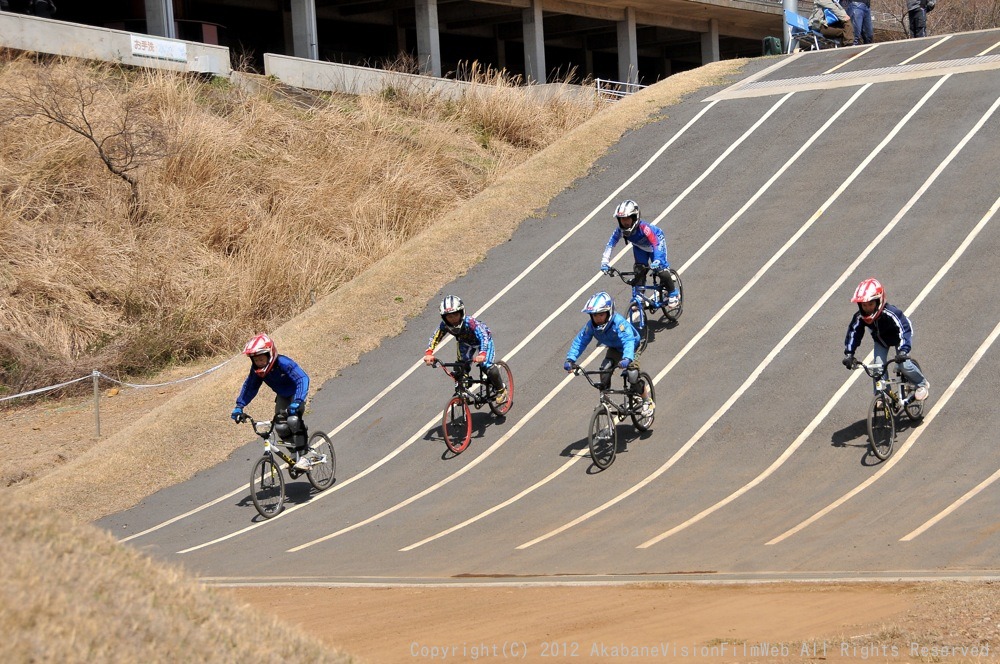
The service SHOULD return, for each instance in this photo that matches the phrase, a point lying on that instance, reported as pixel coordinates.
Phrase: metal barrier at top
(613, 90)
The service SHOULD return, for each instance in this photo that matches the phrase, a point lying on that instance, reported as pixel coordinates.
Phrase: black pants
(299, 430)
(610, 363)
(918, 22)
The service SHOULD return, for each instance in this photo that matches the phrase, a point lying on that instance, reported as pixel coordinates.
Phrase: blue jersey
(891, 328)
(619, 334)
(646, 238)
(286, 378)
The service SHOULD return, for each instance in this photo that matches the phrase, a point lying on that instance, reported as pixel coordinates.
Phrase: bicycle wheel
(642, 423)
(501, 409)
(267, 487)
(914, 409)
(322, 473)
(602, 438)
(881, 427)
(674, 314)
(637, 317)
(457, 425)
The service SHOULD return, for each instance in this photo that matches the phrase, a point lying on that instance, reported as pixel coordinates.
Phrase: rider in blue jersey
(614, 331)
(290, 384)
(475, 342)
(649, 249)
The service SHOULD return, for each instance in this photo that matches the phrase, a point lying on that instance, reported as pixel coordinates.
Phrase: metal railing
(96, 377)
(614, 90)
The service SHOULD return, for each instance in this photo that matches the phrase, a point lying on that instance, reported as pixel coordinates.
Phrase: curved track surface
(777, 195)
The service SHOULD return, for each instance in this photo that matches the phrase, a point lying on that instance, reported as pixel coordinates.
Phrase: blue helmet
(600, 303)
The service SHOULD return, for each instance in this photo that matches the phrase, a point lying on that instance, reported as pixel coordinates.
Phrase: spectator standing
(917, 10)
(830, 19)
(42, 8)
(860, 12)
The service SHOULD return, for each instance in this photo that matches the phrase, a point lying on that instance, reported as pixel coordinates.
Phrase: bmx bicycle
(646, 299)
(267, 483)
(475, 392)
(893, 397)
(602, 437)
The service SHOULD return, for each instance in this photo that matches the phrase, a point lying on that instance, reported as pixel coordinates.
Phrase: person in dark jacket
(917, 10)
(889, 327)
(42, 8)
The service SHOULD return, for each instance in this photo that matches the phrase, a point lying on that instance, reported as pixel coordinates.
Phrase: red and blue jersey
(473, 337)
(648, 244)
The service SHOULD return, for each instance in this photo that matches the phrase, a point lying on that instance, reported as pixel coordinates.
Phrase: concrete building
(543, 40)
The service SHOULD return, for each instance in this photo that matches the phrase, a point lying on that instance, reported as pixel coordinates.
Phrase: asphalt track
(777, 195)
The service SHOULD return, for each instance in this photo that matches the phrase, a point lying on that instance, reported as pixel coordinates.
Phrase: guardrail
(96, 377)
(615, 89)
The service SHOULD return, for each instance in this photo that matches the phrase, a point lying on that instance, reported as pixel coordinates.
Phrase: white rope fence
(96, 377)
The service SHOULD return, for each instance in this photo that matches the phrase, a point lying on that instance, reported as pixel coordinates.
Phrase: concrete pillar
(534, 42)
(588, 62)
(710, 43)
(305, 36)
(400, 34)
(786, 32)
(160, 18)
(628, 50)
(287, 33)
(428, 37)
(501, 53)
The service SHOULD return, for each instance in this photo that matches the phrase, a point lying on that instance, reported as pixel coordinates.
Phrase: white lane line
(843, 277)
(951, 508)
(898, 456)
(649, 162)
(770, 356)
(475, 462)
(316, 498)
(987, 50)
(850, 60)
(722, 157)
(894, 459)
(926, 50)
(572, 299)
(575, 456)
(691, 261)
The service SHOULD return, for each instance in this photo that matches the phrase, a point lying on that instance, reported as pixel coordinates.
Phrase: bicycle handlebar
(577, 370)
(466, 367)
(870, 369)
(262, 428)
(627, 277)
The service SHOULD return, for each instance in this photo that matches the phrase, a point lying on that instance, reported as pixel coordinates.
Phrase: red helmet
(870, 290)
(262, 345)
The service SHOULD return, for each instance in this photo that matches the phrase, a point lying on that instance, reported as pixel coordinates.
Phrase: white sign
(161, 49)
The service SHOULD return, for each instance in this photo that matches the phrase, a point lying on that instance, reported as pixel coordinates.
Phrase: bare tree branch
(113, 121)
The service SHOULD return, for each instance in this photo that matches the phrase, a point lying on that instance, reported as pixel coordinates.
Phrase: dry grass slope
(148, 218)
(71, 593)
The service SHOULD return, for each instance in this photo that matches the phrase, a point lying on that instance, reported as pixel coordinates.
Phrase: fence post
(97, 402)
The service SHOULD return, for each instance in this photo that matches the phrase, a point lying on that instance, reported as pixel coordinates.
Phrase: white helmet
(449, 305)
(628, 210)
(600, 303)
